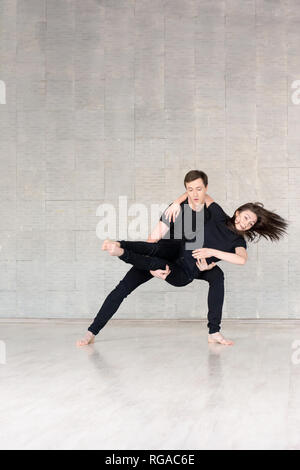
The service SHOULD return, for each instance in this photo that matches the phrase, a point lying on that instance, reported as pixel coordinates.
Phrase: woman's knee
(154, 249)
(157, 263)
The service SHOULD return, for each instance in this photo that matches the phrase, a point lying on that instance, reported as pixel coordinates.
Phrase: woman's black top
(216, 233)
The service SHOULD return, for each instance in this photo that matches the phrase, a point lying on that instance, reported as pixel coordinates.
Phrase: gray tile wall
(123, 97)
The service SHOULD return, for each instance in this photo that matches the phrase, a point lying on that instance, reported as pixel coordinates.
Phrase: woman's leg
(140, 261)
(144, 255)
(145, 262)
(143, 248)
(177, 277)
(167, 249)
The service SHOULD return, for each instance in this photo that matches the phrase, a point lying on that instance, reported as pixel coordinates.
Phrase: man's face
(196, 191)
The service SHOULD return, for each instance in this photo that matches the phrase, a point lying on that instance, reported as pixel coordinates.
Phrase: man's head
(196, 184)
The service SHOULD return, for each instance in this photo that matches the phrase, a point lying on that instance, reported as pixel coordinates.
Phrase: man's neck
(195, 207)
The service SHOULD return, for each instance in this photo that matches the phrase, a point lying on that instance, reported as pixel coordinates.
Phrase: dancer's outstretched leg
(131, 281)
(140, 261)
(177, 277)
(88, 338)
(165, 249)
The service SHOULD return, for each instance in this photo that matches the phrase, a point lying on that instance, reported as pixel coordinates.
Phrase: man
(170, 247)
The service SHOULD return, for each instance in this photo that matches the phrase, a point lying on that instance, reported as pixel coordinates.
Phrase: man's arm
(158, 232)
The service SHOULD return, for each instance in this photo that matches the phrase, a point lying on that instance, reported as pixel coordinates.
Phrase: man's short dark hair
(194, 175)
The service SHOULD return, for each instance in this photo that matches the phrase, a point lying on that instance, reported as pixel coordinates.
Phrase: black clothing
(212, 222)
(172, 250)
(188, 228)
(178, 277)
(142, 256)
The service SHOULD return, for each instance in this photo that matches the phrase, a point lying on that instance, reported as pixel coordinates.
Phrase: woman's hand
(172, 211)
(203, 266)
(203, 253)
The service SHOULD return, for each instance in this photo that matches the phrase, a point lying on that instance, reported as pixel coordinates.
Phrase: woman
(250, 221)
(224, 239)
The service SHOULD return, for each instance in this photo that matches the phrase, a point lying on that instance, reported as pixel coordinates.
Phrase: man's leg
(215, 300)
(131, 281)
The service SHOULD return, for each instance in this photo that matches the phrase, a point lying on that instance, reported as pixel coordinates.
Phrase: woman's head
(254, 221)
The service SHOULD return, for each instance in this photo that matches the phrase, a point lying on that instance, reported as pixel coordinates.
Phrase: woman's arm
(208, 200)
(239, 257)
(173, 210)
(181, 198)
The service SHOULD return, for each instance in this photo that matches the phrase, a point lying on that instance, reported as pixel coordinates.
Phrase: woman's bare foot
(106, 243)
(218, 338)
(88, 338)
(113, 248)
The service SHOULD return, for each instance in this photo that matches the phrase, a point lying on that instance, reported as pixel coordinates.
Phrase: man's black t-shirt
(216, 234)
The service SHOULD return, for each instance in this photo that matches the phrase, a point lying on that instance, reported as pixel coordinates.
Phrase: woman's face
(244, 220)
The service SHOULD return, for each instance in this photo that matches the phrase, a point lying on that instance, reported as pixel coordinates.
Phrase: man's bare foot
(218, 338)
(113, 248)
(88, 338)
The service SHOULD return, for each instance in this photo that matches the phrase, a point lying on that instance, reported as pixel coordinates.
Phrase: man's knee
(216, 275)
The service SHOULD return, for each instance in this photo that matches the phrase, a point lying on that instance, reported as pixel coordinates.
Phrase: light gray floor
(150, 385)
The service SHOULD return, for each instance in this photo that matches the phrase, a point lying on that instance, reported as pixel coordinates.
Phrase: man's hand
(203, 266)
(161, 273)
(203, 253)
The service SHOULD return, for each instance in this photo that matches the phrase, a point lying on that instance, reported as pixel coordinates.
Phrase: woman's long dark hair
(268, 225)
